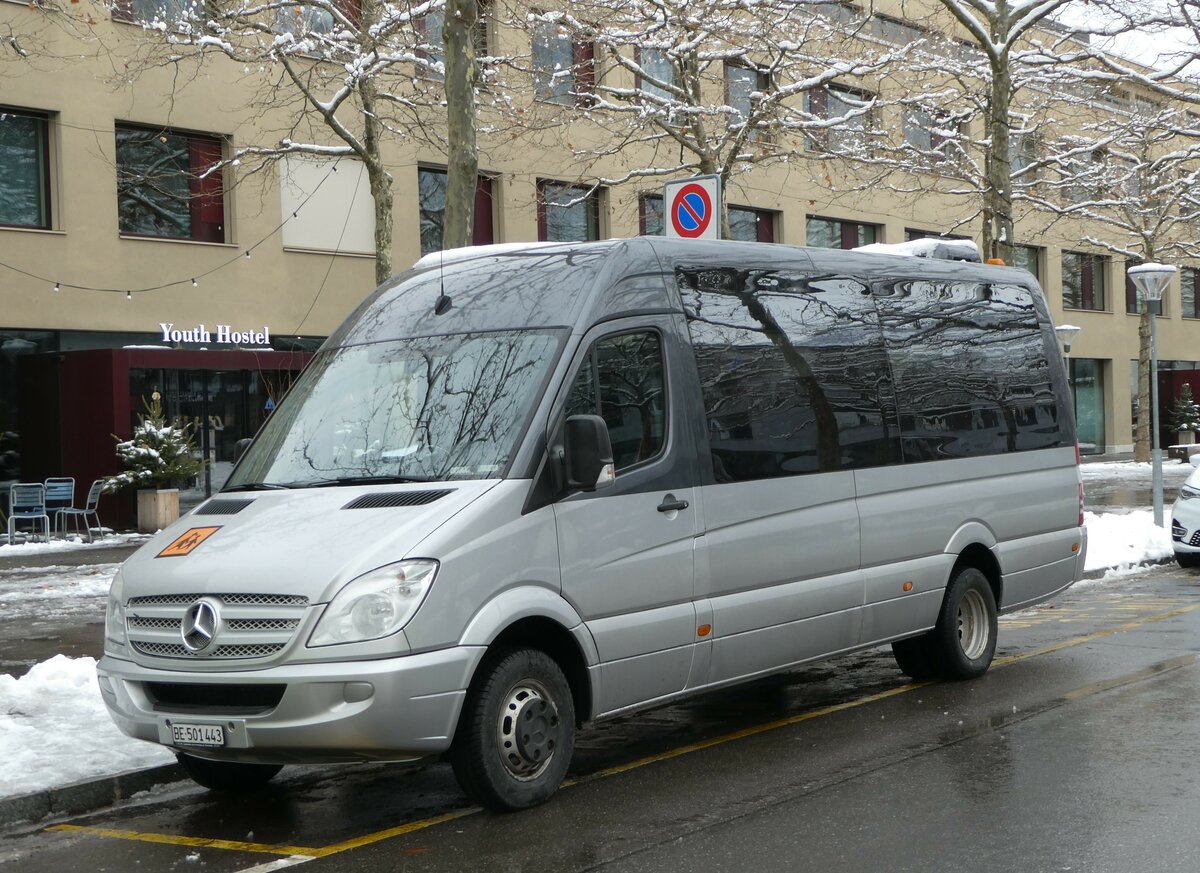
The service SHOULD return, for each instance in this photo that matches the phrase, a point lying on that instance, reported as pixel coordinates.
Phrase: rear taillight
(1078, 458)
(1081, 504)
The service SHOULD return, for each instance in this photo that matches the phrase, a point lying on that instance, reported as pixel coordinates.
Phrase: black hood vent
(390, 499)
(223, 506)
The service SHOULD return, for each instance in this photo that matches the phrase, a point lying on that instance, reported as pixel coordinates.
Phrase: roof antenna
(443, 303)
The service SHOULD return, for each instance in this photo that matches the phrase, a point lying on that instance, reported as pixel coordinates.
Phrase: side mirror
(588, 453)
(239, 448)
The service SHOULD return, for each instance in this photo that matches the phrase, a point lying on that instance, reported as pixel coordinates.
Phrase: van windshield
(422, 409)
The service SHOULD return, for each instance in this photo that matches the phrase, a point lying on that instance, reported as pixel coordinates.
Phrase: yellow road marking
(196, 842)
(422, 824)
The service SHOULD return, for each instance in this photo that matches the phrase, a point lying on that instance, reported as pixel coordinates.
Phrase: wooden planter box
(157, 508)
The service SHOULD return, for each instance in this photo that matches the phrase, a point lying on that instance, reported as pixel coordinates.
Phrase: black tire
(963, 643)
(912, 656)
(230, 776)
(499, 767)
(1187, 560)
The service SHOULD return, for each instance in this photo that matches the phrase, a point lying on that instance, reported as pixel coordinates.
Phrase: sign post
(693, 207)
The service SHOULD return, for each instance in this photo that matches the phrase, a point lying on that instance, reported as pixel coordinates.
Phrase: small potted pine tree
(1185, 416)
(158, 458)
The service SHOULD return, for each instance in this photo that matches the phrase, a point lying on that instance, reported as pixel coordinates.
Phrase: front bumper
(390, 709)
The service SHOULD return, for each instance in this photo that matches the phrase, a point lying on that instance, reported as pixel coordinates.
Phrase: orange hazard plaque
(184, 543)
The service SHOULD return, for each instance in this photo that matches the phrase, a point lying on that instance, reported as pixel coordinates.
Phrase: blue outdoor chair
(27, 502)
(80, 514)
(60, 495)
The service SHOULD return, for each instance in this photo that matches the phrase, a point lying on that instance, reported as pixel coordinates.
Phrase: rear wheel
(912, 657)
(517, 731)
(1187, 559)
(231, 776)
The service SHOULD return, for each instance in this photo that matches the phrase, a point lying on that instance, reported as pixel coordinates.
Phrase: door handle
(670, 504)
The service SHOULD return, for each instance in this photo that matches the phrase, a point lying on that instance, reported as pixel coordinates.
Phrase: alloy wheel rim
(973, 625)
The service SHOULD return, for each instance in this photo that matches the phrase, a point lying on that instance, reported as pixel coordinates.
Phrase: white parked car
(1185, 519)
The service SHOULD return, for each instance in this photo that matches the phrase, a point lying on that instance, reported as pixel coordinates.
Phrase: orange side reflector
(997, 262)
(1074, 547)
(907, 586)
(704, 630)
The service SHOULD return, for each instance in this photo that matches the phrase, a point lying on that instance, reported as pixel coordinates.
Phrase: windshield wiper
(363, 480)
(258, 486)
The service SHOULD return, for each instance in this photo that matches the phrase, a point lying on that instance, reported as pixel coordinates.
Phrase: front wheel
(516, 733)
(1187, 559)
(230, 776)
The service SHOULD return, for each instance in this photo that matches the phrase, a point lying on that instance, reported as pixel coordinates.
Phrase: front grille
(213, 699)
(251, 626)
(1195, 540)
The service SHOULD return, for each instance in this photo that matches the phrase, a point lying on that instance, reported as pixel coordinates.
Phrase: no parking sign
(693, 207)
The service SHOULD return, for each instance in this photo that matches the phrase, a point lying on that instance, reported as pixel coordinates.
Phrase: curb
(86, 795)
(1104, 571)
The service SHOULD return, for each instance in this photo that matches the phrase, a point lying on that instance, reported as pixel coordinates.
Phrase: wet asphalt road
(1079, 750)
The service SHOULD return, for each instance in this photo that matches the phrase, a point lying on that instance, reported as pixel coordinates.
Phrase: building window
(169, 11)
(1028, 258)
(656, 67)
(1083, 280)
(431, 197)
(1188, 279)
(935, 135)
(431, 31)
(25, 157)
(741, 84)
(915, 233)
(166, 184)
(1132, 301)
(567, 213)
(563, 67)
(832, 233)
(301, 19)
(851, 109)
(1022, 153)
(751, 225)
(651, 218)
(1087, 380)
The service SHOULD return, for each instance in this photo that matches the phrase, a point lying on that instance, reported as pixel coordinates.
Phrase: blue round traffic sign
(691, 211)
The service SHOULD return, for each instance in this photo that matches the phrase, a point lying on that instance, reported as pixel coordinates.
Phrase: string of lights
(193, 280)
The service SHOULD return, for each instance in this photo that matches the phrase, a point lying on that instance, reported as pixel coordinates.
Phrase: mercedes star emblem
(199, 625)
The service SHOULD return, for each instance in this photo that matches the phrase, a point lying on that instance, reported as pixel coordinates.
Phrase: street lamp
(1066, 334)
(1152, 280)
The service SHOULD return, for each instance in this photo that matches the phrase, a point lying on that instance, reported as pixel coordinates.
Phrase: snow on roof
(451, 255)
(945, 249)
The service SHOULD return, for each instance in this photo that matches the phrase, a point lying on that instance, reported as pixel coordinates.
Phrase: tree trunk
(997, 197)
(462, 159)
(381, 183)
(1141, 443)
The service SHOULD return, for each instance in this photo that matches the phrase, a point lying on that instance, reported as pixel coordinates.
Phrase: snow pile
(55, 592)
(54, 730)
(1133, 472)
(31, 547)
(1123, 540)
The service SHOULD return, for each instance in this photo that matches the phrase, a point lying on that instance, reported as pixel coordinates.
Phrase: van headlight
(1187, 492)
(375, 604)
(114, 618)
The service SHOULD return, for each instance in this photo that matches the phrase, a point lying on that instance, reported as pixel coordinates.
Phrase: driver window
(622, 380)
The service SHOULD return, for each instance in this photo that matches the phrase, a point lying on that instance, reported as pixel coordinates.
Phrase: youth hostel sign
(220, 333)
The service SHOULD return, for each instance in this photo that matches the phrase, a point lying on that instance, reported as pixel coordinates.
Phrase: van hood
(308, 541)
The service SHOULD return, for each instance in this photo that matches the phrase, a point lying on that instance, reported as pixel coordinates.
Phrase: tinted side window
(970, 369)
(623, 381)
(792, 371)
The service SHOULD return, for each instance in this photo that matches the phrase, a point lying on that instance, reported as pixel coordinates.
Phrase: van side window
(792, 372)
(970, 368)
(622, 380)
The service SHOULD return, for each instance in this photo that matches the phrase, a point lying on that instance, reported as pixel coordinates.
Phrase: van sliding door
(795, 397)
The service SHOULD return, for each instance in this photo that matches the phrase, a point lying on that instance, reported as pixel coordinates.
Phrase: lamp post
(1152, 280)
(1066, 334)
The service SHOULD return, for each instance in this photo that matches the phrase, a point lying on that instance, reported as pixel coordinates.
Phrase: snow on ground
(49, 592)
(54, 729)
(72, 543)
(1120, 541)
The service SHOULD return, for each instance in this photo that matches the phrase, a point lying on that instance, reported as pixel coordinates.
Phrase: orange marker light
(907, 586)
(704, 630)
(1074, 547)
(997, 262)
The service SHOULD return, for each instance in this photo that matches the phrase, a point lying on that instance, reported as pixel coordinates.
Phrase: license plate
(197, 734)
